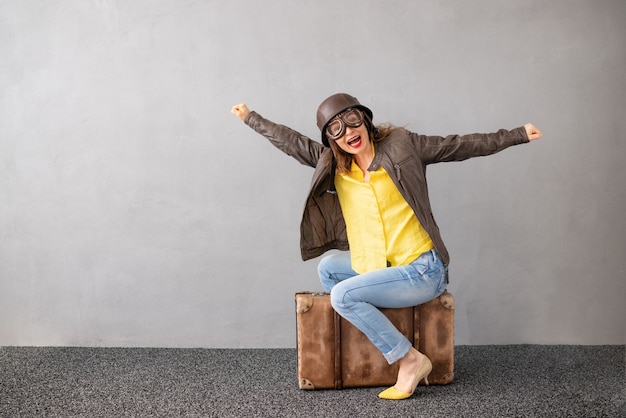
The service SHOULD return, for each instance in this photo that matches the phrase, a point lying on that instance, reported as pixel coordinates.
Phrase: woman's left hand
(532, 132)
(240, 110)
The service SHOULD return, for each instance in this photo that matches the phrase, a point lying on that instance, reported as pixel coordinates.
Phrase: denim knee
(334, 268)
(337, 299)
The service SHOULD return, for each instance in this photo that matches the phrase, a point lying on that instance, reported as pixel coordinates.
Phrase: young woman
(369, 197)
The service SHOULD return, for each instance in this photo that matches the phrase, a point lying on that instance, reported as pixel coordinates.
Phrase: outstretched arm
(291, 142)
(435, 149)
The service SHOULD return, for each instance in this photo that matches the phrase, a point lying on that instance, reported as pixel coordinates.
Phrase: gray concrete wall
(136, 211)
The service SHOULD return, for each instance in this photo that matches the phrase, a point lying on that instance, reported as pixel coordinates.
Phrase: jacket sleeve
(434, 149)
(291, 142)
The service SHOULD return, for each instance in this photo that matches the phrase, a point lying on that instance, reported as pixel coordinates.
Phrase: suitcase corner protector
(303, 303)
(306, 384)
(447, 300)
(448, 378)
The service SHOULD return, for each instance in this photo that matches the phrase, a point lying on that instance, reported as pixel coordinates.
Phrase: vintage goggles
(336, 128)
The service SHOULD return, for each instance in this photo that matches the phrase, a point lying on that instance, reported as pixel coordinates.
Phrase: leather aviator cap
(334, 105)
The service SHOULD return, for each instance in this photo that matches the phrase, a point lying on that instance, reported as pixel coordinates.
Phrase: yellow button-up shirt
(382, 228)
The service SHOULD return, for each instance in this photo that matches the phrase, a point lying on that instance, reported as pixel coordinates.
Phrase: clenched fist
(532, 131)
(240, 110)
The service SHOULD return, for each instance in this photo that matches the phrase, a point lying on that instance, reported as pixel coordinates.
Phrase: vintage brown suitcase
(333, 354)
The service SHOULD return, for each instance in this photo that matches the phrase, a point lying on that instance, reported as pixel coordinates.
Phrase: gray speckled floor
(490, 381)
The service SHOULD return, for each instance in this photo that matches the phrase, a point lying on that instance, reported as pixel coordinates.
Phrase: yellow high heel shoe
(422, 373)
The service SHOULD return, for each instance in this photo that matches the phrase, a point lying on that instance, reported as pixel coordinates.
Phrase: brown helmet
(334, 105)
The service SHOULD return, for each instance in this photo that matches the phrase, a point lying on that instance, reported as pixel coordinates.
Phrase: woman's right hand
(532, 132)
(240, 110)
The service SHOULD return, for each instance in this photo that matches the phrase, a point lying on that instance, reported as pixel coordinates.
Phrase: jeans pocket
(429, 267)
(426, 263)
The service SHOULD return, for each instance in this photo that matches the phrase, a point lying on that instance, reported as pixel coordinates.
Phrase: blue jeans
(358, 297)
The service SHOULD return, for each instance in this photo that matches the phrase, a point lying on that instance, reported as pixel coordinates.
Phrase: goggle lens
(337, 127)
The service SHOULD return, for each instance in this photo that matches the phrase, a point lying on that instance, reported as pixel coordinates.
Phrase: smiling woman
(377, 207)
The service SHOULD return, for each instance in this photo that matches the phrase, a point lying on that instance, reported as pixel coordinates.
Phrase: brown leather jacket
(403, 154)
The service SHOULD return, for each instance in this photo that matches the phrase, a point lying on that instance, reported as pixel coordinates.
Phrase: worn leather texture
(333, 354)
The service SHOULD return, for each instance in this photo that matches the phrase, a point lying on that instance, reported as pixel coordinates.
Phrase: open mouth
(355, 141)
